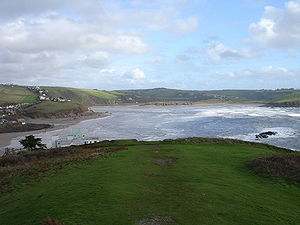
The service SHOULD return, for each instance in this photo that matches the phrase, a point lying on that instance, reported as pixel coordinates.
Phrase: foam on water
(157, 123)
(282, 132)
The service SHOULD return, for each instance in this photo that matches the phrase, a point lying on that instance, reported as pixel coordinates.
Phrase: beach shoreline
(56, 124)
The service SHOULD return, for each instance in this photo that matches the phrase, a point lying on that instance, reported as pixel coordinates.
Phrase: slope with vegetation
(13, 94)
(184, 181)
(280, 97)
(227, 96)
(93, 96)
(49, 109)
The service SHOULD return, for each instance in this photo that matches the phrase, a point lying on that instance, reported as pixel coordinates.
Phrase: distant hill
(14, 94)
(22, 94)
(50, 109)
(227, 96)
(93, 96)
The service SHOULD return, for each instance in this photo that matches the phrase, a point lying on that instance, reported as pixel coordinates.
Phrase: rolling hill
(21, 94)
(50, 109)
(227, 96)
(93, 96)
(16, 94)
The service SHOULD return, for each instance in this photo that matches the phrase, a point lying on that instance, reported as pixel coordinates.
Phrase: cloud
(265, 73)
(155, 60)
(278, 28)
(186, 25)
(95, 60)
(48, 34)
(182, 58)
(217, 51)
(135, 74)
(13, 9)
(17, 8)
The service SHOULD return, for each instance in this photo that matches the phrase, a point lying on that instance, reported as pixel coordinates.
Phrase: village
(10, 113)
(43, 95)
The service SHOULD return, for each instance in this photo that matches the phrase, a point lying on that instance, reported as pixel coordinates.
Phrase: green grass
(47, 108)
(230, 96)
(97, 93)
(295, 96)
(207, 184)
(16, 94)
(84, 96)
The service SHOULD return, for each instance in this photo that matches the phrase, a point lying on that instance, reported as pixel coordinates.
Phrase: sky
(133, 44)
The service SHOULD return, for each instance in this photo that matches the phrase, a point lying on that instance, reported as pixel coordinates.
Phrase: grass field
(84, 96)
(20, 94)
(181, 183)
(48, 109)
(16, 94)
(230, 96)
(291, 97)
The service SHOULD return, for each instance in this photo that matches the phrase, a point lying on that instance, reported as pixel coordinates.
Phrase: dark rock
(265, 134)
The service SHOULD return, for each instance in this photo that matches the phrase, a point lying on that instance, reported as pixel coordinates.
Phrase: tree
(31, 143)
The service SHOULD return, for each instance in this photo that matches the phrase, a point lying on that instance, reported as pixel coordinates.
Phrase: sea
(151, 123)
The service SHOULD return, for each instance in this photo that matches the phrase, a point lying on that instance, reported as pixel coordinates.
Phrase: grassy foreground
(169, 182)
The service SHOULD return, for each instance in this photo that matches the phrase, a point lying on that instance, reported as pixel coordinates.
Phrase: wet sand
(57, 123)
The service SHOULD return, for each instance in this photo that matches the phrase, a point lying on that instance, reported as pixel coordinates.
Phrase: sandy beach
(57, 123)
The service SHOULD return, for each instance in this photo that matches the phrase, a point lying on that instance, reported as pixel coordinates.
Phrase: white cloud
(277, 71)
(186, 25)
(95, 60)
(155, 60)
(265, 73)
(161, 19)
(278, 28)
(65, 35)
(217, 51)
(135, 74)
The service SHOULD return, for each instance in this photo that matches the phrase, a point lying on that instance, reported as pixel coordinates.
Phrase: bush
(32, 143)
(286, 166)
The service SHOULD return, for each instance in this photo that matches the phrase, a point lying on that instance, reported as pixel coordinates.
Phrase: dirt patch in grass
(163, 161)
(50, 221)
(158, 220)
(286, 166)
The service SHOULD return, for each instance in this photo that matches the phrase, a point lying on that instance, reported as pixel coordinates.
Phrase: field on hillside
(291, 97)
(168, 182)
(230, 96)
(20, 94)
(49, 109)
(85, 96)
(16, 94)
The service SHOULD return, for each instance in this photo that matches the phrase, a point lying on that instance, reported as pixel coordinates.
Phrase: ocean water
(158, 123)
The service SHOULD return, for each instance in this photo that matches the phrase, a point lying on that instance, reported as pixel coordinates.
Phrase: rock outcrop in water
(284, 104)
(265, 134)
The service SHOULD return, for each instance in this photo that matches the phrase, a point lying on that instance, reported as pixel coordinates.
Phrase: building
(21, 121)
(77, 139)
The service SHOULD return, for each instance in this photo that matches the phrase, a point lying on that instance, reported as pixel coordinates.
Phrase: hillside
(184, 181)
(89, 97)
(21, 94)
(93, 96)
(164, 94)
(49, 109)
(16, 94)
(229, 96)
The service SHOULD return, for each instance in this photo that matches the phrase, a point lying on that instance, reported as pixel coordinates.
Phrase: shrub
(31, 143)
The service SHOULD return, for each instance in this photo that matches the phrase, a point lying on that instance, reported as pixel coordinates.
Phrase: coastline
(57, 123)
(175, 104)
